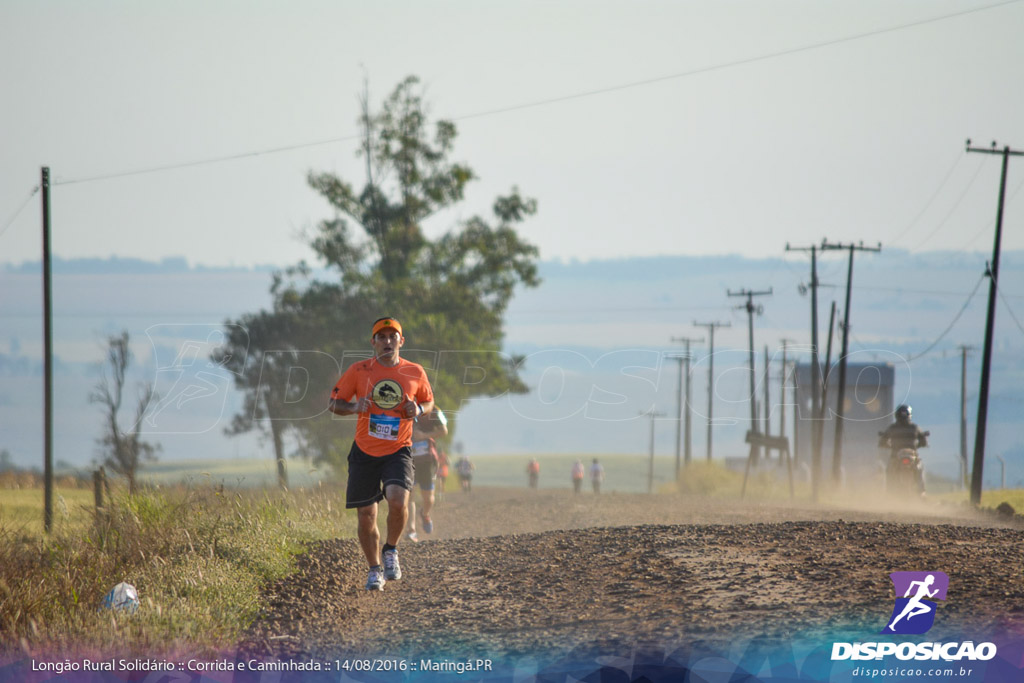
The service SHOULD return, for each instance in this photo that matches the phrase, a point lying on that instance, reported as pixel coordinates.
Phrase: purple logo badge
(914, 611)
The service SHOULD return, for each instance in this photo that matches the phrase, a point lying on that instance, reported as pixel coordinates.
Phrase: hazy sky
(642, 127)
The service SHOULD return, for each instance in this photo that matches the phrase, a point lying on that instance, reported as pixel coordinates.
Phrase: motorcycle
(904, 472)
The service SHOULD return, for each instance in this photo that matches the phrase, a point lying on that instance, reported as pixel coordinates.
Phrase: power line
(950, 326)
(612, 309)
(1008, 309)
(931, 200)
(556, 100)
(903, 290)
(956, 204)
(988, 223)
(737, 62)
(205, 162)
(21, 208)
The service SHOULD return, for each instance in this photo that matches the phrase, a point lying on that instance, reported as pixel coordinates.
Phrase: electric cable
(963, 308)
(203, 162)
(953, 208)
(989, 223)
(1008, 309)
(14, 216)
(564, 98)
(931, 200)
(737, 62)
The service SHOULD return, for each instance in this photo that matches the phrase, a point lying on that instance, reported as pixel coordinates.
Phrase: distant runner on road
(464, 468)
(533, 472)
(577, 476)
(596, 475)
(442, 473)
(425, 459)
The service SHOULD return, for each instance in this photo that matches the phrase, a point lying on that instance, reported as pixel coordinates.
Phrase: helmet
(903, 413)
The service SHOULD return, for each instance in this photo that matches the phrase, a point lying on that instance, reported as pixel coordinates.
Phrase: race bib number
(421, 448)
(384, 427)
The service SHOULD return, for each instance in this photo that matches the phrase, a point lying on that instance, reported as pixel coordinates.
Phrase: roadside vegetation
(197, 555)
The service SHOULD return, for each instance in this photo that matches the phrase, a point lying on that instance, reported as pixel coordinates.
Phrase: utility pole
(963, 412)
(820, 434)
(828, 360)
(684, 402)
(767, 431)
(816, 378)
(796, 414)
(755, 450)
(785, 369)
(990, 323)
(47, 359)
(837, 451)
(650, 462)
(711, 373)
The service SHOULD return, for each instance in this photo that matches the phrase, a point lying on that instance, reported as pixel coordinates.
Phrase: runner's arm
(437, 428)
(360, 405)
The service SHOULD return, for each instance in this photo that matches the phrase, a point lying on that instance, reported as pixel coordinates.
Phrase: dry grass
(198, 557)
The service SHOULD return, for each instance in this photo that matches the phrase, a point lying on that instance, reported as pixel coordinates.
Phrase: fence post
(99, 482)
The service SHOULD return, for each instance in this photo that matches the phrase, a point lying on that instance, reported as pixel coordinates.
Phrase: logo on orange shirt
(387, 394)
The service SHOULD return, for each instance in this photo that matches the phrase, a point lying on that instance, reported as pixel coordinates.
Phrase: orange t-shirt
(382, 431)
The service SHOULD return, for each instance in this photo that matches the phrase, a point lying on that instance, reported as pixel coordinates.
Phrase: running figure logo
(914, 613)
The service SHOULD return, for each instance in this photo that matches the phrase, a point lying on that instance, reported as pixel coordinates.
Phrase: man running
(596, 475)
(464, 468)
(577, 476)
(425, 461)
(533, 473)
(442, 473)
(387, 393)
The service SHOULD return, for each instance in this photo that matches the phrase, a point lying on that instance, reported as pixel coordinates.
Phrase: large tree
(450, 293)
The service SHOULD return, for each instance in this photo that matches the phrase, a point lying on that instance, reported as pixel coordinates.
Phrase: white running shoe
(392, 570)
(375, 581)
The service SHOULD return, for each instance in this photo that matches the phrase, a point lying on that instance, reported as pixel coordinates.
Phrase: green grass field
(198, 556)
(232, 473)
(626, 473)
(21, 510)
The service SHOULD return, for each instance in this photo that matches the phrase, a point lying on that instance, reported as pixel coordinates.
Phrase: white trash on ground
(122, 596)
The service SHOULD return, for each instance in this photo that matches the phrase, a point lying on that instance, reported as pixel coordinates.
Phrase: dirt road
(517, 572)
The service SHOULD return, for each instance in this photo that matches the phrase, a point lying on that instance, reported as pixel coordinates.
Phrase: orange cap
(384, 323)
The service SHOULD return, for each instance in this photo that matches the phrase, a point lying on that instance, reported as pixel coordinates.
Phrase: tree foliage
(450, 293)
(122, 450)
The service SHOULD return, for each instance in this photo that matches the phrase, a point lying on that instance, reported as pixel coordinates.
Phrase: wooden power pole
(755, 450)
(990, 323)
(711, 374)
(47, 359)
(683, 425)
(837, 451)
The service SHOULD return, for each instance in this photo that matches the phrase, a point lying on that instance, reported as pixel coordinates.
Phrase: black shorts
(426, 468)
(370, 475)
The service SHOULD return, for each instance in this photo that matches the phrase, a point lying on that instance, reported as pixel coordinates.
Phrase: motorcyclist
(904, 433)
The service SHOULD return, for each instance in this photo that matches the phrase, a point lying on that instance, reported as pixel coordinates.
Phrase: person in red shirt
(387, 393)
